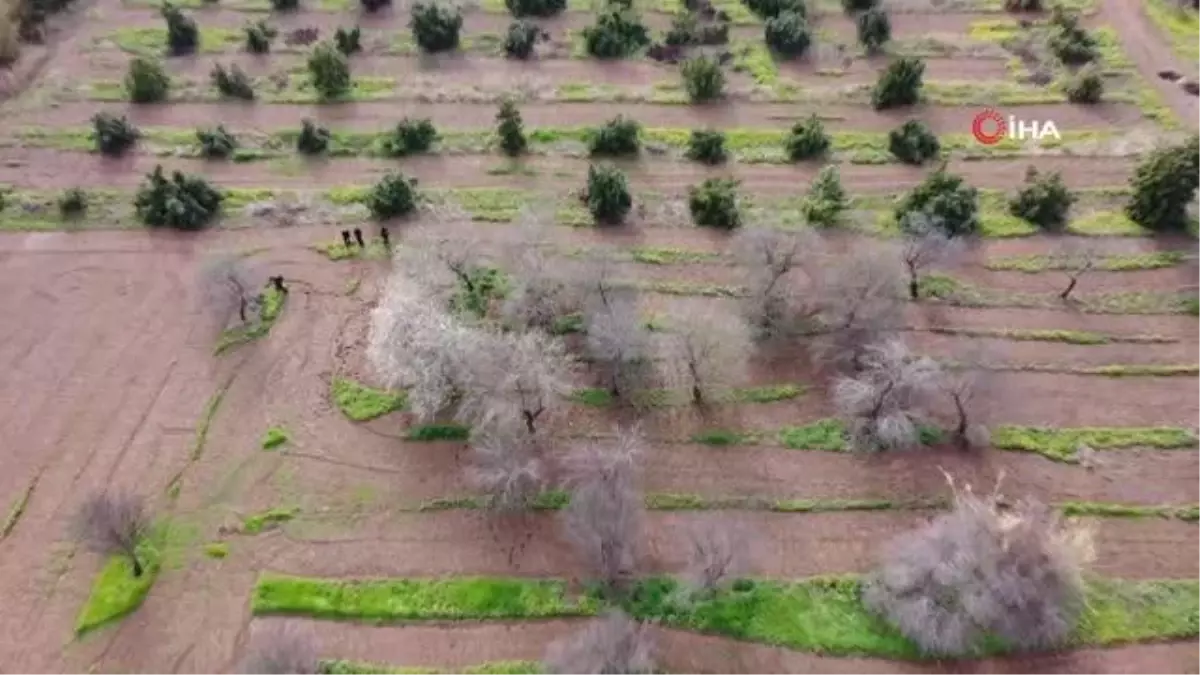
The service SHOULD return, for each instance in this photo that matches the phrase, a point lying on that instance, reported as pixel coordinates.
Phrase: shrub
(703, 79)
(348, 41)
(771, 8)
(617, 33)
(1023, 5)
(787, 33)
(984, 574)
(607, 195)
(182, 34)
(899, 84)
(113, 135)
(707, 146)
(520, 8)
(510, 129)
(410, 137)
(72, 203)
(521, 38)
(827, 199)
(618, 136)
(1085, 86)
(714, 203)
(874, 29)
(435, 26)
(913, 143)
(1069, 41)
(682, 33)
(1045, 201)
(181, 202)
(146, 81)
(285, 5)
(216, 143)
(371, 6)
(394, 195)
(852, 6)
(329, 71)
(313, 139)
(1163, 186)
(808, 140)
(259, 36)
(232, 83)
(946, 200)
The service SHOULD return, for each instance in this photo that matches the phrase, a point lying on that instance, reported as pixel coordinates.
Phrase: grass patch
(361, 403)
(275, 437)
(488, 668)
(1060, 444)
(946, 289)
(721, 437)
(384, 600)
(206, 418)
(1105, 510)
(116, 592)
(1070, 337)
(438, 432)
(216, 550)
(374, 250)
(271, 518)
(1109, 263)
(600, 398)
(826, 434)
(153, 41)
(767, 394)
(270, 307)
(1181, 25)
(18, 508)
(670, 256)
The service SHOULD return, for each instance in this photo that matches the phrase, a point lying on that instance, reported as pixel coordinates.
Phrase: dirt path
(55, 169)
(1151, 52)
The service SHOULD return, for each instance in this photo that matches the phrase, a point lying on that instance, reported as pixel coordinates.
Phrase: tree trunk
(697, 395)
(914, 289)
(1070, 287)
(137, 565)
(529, 420)
(242, 308)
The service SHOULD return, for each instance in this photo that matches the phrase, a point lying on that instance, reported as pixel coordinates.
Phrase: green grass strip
(116, 592)
(1110, 263)
(384, 600)
(1060, 444)
(272, 306)
(438, 432)
(18, 508)
(340, 667)
(361, 403)
(206, 418)
(951, 291)
(1110, 370)
(594, 397)
(1071, 337)
(257, 522)
(1106, 510)
(336, 250)
(1180, 24)
(274, 437)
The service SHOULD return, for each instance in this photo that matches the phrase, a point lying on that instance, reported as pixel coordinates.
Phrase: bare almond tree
(113, 524)
(969, 390)
(618, 344)
(882, 403)
(281, 649)
(442, 267)
(859, 304)
(612, 643)
(772, 307)
(543, 290)
(717, 552)
(604, 518)
(520, 376)
(706, 352)
(507, 468)
(1075, 261)
(925, 246)
(229, 287)
(982, 571)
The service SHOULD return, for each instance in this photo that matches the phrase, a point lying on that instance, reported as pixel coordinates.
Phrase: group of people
(358, 238)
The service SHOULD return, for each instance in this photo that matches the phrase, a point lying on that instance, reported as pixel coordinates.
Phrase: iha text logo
(990, 127)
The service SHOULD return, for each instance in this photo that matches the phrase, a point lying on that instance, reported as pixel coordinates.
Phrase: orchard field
(699, 368)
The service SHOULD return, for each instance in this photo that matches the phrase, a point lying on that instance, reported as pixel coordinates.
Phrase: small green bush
(707, 146)
(608, 197)
(1023, 5)
(852, 6)
(313, 139)
(543, 8)
(714, 203)
(618, 136)
(1085, 86)
(1069, 41)
(1045, 201)
(435, 26)
(181, 202)
(329, 71)
(682, 33)
(259, 36)
(113, 135)
(874, 29)
(348, 41)
(787, 34)
(913, 143)
(216, 143)
(372, 6)
(946, 200)
(146, 81)
(899, 84)
(1164, 183)
(232, 83)
(808, 140)
(410, 137)
(285, 5)
(182, 34)
(521, 38)
(393, 196)
(827, 199)
(510, 129)
(703, 79)
(616, 34)
(73, 203)
(772, 8)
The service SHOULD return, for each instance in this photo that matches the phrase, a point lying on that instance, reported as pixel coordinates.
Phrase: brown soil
(1151, 52)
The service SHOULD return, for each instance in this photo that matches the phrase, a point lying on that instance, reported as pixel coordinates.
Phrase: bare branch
(611, 644)
(519, 376)
(881, 404)
(229, 287)
(925, 246)
(706, 352)
(113, 524)
(859, 300)
(507, 468)
(280, 649)
(717, 552)
(543, 290)
(618, 343)
(772, 308)
(1075, 259)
